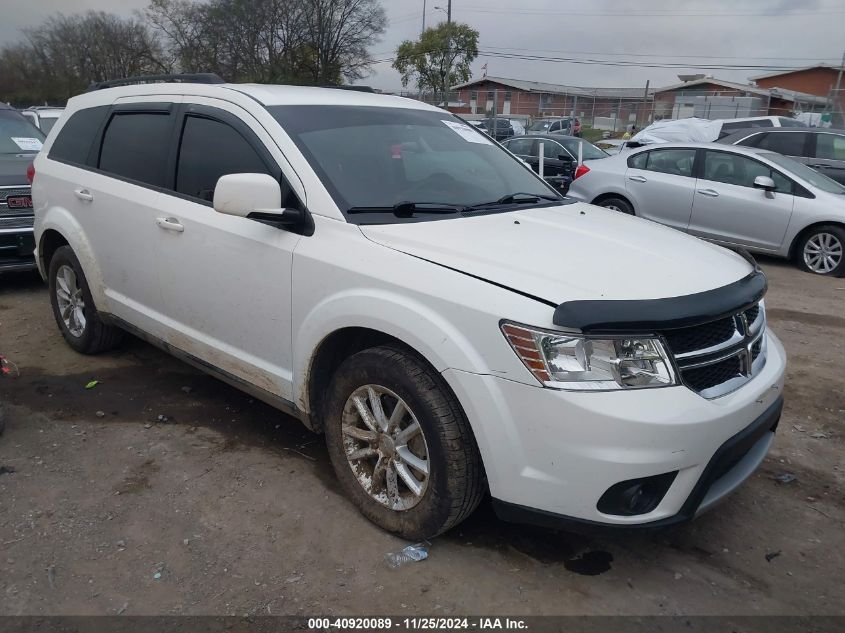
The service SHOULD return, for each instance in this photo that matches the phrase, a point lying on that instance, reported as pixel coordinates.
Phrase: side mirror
(765, 183)
(256, 197)
(242, 194)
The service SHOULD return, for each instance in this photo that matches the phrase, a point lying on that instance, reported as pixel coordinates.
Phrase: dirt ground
(225, 506)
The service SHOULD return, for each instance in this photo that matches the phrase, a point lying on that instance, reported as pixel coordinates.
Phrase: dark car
(820, 148)
(560, 155)
(503, 128)
(20, 141)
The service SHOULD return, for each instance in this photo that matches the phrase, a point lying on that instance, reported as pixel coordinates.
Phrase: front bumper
(16, 250)
(551, 455)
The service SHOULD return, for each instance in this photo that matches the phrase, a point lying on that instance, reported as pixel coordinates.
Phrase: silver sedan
(735, 196)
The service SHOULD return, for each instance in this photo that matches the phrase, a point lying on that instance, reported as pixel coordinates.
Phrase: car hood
(13, 169)
(569, 252)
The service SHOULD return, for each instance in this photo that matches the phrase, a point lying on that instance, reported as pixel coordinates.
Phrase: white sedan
(736, 196)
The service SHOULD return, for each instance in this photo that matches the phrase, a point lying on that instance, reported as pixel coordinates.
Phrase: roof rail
(192, 78)
(353, 88)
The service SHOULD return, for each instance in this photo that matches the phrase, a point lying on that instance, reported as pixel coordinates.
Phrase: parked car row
(738, 196)
(404, 285)
(20, 141)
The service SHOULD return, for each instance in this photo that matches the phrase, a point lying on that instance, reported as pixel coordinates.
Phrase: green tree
(440, 58)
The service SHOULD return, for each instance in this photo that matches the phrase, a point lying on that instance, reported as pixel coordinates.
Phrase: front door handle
(170, 224)
(84, 194)
(819, 165)
(709, 193)
(637, 178)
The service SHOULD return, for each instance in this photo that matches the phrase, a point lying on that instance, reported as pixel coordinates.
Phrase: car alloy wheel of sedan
(823, 252)
(385, 447)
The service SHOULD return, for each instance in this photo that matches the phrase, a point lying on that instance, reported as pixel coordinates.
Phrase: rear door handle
(819, 165)
(637, 178)
(709, 193)
(84, 194)
(170, 224)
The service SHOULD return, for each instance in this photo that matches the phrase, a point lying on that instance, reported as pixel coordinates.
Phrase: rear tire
(414, 469)
(73, 307)
(617, 204)
(822, 251)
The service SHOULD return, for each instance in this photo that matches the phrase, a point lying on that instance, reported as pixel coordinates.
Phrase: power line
(546, 50)
(650, 13)
(611, 62)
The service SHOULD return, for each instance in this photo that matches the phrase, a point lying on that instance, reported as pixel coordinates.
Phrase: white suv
(402, 284)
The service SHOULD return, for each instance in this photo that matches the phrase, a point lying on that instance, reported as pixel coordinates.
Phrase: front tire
(73, 306)
(822, 251)
(401, 445)
(617, 204)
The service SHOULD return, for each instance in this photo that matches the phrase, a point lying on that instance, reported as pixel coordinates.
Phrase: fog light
(636, 496)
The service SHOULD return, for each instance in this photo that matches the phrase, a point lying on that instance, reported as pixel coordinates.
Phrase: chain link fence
(612, 111)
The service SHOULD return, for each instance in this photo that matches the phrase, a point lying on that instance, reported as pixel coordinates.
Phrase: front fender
(435, 337)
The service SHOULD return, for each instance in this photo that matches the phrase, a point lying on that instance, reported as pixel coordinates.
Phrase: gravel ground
(225, 506)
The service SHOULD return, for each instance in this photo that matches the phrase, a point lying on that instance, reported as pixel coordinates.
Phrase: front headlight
(572, 361)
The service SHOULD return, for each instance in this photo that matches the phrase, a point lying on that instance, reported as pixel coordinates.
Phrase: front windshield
(376, 158)
(540, 126)
(47, 124)
(820, 181)
(18, 135)
(785, 122)
(588, 152)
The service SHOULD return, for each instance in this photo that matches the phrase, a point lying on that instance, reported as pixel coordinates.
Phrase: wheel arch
(809, 229)
(333, 350)
(612, 194)
(59, 228)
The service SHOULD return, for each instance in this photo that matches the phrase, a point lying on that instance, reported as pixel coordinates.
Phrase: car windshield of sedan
(17, 135)
(820, 181)
(408, 164)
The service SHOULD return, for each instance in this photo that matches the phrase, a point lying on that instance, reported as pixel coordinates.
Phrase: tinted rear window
(135, 146)
(786, 143)
(74, 140)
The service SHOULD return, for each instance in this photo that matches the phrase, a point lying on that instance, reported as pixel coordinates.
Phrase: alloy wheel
(823, 252)
(385, 447)
(70, 300)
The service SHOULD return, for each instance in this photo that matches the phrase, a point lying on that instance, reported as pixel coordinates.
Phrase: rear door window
(211, 149)
(135, 146)
(521, 146)
(830, 146)
(786, 143)
(678, 162)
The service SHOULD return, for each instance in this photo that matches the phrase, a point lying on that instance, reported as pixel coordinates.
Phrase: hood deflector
(662, 314)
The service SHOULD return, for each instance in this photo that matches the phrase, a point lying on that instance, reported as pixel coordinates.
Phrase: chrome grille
(719, 357)
(16, 222)
(6, 192)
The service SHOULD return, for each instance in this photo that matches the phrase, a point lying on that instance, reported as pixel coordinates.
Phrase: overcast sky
(708, 32)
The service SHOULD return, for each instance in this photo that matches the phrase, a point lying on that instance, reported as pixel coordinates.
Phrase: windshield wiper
(517, 198)
(407, 209)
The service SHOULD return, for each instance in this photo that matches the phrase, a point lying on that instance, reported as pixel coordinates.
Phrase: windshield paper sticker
(27, 144)
(467, 133)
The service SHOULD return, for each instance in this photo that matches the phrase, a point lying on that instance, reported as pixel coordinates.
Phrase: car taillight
(580, 171)
(30, 173)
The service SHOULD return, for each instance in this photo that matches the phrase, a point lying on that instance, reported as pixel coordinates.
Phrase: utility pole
(423, 27)
(834, 102)
(645, 105)
(449, 12)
